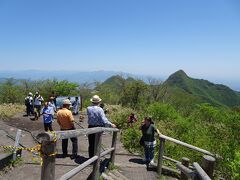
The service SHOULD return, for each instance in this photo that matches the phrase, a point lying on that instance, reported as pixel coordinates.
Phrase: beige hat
(67, 101)
(30, 94)
(95, 99)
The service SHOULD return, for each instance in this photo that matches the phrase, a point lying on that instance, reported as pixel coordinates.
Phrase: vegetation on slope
(203, 90)
(194, 111)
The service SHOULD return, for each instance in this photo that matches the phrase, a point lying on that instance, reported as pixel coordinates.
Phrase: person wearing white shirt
(38, 99)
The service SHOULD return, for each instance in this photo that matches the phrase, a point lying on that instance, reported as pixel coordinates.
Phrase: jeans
(149, 153)
(48, 126)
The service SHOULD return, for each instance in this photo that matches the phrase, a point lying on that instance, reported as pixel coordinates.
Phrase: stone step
(119, 175)
(114, 175)
(106, 177)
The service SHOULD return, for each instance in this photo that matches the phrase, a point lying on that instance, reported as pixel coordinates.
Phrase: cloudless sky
(154, 37)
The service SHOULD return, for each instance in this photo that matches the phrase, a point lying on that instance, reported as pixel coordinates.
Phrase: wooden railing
(48, 148)
(186, 172)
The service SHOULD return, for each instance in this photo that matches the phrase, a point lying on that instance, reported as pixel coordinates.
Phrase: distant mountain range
(181, 89)
(87, 76)
(176, 85)
(73, 76)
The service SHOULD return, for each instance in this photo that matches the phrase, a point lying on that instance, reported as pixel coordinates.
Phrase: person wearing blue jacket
(47, 113)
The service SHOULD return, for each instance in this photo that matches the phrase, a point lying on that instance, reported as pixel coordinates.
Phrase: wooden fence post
(97, 151)
(160, 156)
(208, 165)
(185, 162)
(48, 166)
(114, 140)
(16, 143)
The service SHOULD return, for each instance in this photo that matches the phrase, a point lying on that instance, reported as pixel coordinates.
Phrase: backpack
(27, 101)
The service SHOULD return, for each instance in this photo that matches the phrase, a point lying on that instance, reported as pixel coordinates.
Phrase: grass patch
(9, 110)
(112, 167)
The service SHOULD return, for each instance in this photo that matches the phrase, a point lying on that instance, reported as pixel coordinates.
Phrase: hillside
(181, 90)
(201, 90)
(117, 81)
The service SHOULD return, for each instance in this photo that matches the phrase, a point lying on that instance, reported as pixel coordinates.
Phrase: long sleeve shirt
(38, 100)
(47, 113)
(97, 117)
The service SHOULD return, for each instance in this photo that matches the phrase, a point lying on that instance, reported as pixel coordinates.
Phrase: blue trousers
(149, 153)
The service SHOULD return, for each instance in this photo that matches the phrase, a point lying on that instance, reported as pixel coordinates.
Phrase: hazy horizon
(233, 84)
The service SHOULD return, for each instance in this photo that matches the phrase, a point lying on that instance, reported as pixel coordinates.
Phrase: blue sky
(155, 37)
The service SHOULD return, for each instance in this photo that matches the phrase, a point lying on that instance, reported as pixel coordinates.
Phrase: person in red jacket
(131, 119)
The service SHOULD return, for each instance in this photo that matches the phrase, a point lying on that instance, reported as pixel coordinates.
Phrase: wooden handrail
(186, 145)
(201, 173)
(76, 170)
(163, 138)
(48, 140)
(48, 136)
(82, 132)
(188, 172)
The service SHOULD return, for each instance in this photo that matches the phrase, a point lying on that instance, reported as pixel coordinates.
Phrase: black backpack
(27, 101)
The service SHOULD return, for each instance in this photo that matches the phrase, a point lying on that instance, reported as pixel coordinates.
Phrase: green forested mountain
(112, 89)
(117, 81)
(179, 89)
(180, 85)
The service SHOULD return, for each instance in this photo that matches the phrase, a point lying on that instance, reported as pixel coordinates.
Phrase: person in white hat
(96, 118)
(38, 100)
(66, 122)
(29, 104)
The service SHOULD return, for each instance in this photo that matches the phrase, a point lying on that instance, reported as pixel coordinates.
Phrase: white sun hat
(67, 101)
(95, 99)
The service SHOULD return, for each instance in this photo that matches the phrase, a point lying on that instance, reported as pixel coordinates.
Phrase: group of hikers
(34, 104)
(96, 118)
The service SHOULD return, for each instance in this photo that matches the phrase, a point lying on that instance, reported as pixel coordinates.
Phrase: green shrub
(235, 166)
(119, 115)
(130, 138)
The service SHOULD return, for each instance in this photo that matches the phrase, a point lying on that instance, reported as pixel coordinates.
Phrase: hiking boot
(64, 155)
(73, 156)
(147, 166)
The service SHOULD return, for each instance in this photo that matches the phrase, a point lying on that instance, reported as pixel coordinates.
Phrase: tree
(10, 92)
(133, 94)
(155, 85)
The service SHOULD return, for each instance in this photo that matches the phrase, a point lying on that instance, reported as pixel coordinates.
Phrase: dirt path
(130, 165)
